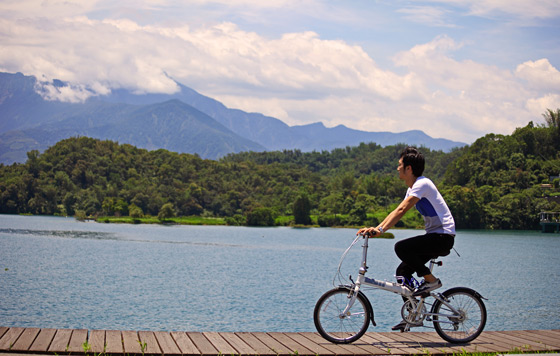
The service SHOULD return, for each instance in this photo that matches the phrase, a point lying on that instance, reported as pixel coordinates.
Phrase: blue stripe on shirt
(426, 208)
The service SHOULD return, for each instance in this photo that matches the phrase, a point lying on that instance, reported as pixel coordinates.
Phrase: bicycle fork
(352, 295)
(355, 288)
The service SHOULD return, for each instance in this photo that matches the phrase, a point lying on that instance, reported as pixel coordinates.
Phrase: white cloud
(73, 93)
(538, 106)
(254, 3)
(540, 74)
(469, 97)
(521, 8)
(121, 53)
(527, 9)
(298, 77)
(41, 8)
(427, 15)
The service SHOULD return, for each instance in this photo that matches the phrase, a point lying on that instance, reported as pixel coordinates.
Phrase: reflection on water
(59, 273)
(98, 236)
(61, 233)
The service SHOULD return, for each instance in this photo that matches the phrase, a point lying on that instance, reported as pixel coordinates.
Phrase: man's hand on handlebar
(369, 232)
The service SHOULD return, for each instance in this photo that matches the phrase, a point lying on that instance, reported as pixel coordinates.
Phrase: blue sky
(456, 69)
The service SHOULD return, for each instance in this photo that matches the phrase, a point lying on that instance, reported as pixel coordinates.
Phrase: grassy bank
(197, 220)
(183, 220)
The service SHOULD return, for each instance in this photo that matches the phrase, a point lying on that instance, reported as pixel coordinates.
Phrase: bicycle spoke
(465, 325)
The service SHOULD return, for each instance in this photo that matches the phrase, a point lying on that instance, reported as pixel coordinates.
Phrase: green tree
(358, 214)
(261, 217)
(552, 118)
(302, 210)
(166, 212)
(135, 211)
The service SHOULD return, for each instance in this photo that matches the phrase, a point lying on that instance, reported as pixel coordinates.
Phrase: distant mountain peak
(185, 121)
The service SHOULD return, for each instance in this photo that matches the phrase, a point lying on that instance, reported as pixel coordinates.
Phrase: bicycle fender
(459, 289)
(349, 289)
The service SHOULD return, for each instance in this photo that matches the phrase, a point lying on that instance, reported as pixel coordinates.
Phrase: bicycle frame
(397, 288)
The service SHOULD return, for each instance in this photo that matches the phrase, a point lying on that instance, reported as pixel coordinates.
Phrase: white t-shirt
(432, 207)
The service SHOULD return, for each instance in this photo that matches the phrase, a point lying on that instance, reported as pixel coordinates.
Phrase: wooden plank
(3, 330)
(272, 343)
(238, 344)
(43, 340)
(404, 343)
(97, 341)
(114, 342)
(377, 344)
(382, 343)
(257, 345)
(204, 346)
(538, 337)
(219, 343)
(315, 348)
(520, 343)
(166, 343)
(337, 349)
(530, 340)
(490, 344)
(148, 339)
(26, 339)
(265, 344)
(496, 342)
(60, 341)
(291, 344)
(543, 335)
(553, 333)
(184, 343)
(77, 340)
(434, 341)
(10, 337)
(130, 342)
(364, 347)
(418, 341)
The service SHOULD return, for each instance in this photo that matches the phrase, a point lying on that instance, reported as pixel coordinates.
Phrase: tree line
(495, 183)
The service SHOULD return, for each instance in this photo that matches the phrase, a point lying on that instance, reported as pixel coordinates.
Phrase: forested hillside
(497, 183)
(494, 183)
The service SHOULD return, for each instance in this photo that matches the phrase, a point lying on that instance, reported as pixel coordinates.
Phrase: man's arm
(392, 218)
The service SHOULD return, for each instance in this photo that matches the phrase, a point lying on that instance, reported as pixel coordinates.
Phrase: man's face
(401, 169)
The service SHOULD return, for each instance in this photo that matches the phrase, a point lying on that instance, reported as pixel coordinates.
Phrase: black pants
(416, 251)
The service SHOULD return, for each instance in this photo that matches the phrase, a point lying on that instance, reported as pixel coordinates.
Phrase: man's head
(410, 156)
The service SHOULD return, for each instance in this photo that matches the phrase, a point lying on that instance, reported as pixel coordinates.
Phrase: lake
(60, 273)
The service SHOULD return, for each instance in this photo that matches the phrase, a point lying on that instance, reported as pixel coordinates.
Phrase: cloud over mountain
(300, 61)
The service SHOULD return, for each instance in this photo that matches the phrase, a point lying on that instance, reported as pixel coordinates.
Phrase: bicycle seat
(438, 263)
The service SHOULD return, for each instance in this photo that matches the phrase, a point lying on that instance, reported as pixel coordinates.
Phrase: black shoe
(426, 287)
(400, 326)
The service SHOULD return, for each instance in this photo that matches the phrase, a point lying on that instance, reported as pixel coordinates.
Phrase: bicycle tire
(469, 325)
(335, 327)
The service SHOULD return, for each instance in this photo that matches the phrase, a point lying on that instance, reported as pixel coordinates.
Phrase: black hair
(412, 157)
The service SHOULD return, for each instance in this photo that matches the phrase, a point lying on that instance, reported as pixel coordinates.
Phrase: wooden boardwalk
(15, 340)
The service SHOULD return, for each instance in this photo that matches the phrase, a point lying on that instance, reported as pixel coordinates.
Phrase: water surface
(60, 273)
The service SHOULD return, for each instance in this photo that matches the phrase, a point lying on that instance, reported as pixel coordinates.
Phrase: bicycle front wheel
(335, 325)
(461, 318)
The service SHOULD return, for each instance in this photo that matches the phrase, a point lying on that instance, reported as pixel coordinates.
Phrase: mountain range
(182, 122)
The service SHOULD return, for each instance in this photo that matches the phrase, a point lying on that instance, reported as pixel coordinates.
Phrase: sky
(455, 69)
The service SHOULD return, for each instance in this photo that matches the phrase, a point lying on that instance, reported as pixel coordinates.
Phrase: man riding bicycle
(416, 251)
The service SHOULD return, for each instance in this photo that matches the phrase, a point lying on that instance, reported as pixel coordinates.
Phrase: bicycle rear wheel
(468, 323)
(337, 327)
